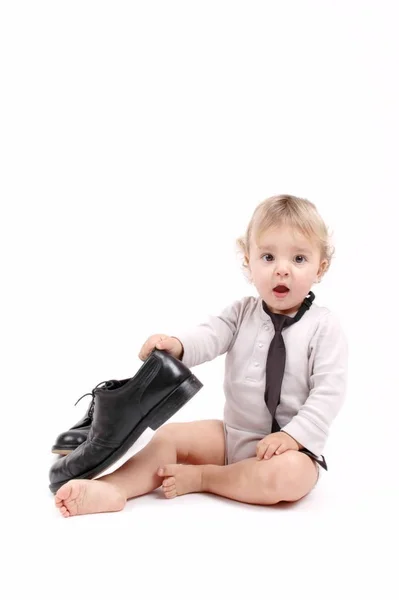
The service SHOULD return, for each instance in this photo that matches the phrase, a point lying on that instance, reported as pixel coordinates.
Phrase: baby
(285, 381)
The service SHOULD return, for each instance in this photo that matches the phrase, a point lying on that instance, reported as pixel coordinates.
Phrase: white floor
(338, 541)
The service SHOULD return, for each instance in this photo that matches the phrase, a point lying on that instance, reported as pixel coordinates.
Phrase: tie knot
(280, 321)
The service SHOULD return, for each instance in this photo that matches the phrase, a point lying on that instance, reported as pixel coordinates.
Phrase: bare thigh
(197, 442)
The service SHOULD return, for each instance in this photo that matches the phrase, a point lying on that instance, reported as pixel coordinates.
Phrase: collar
(308, 301)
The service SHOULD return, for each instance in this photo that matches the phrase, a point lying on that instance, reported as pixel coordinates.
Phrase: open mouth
(280, 291)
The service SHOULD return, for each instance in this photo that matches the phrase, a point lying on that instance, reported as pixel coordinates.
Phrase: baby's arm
(211, 338)
(328, 383)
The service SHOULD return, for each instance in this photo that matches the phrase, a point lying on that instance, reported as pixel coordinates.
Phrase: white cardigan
(315, 376)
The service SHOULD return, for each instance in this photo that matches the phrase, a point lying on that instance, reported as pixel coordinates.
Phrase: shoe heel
(175, 401)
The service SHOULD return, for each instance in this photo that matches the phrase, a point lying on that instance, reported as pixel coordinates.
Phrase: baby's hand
(162, 342)
(275, 443)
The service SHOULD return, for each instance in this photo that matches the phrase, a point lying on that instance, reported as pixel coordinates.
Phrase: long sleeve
(328, 383)
(211, 338)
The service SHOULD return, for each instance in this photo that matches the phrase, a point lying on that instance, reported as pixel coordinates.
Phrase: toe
(168, 482)
(64, 492)
(167, 470)
(171, 493)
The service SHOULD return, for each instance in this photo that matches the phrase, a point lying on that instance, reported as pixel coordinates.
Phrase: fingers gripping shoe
(67, 441)
(159, 389)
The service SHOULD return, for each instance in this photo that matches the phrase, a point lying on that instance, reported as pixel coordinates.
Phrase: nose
(281, 268)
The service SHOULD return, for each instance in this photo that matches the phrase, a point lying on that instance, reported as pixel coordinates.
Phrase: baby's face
(284, 257)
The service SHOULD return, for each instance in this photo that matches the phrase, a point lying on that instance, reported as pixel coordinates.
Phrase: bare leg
(138, 475)
(195, 442)
(135, 477)
(289, 477)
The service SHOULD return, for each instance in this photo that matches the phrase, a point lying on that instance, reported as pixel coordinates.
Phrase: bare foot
(181, 479)
(84, 496)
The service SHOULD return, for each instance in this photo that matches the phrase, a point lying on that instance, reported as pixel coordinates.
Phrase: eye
(263, 256)
(301, 256)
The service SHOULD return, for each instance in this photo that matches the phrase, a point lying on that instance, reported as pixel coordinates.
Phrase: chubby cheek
(261, 280)
(299, 290)
(301, 283)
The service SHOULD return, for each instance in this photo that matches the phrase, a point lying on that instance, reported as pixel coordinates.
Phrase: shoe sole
(154, 419)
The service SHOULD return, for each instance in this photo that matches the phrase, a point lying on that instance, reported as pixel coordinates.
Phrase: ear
(249, 272)
(322, 268)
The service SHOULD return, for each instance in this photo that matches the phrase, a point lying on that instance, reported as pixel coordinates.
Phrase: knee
(165, 432)
(296, 476)
(285, 474)
(171, 435)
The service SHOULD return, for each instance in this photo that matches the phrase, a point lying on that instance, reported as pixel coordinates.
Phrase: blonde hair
(285, 210)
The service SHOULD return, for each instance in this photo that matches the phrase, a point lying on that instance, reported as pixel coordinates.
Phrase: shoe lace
(91, 408)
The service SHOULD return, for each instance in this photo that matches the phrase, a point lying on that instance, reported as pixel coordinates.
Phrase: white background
(136, 140)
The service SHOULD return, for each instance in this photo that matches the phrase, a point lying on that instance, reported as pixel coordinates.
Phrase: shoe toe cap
(71, 439)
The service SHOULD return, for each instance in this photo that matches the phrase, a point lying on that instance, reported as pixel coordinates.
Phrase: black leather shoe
(123, 411)
(67, 441)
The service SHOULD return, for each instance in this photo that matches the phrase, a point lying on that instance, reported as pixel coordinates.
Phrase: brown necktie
(275, 364)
